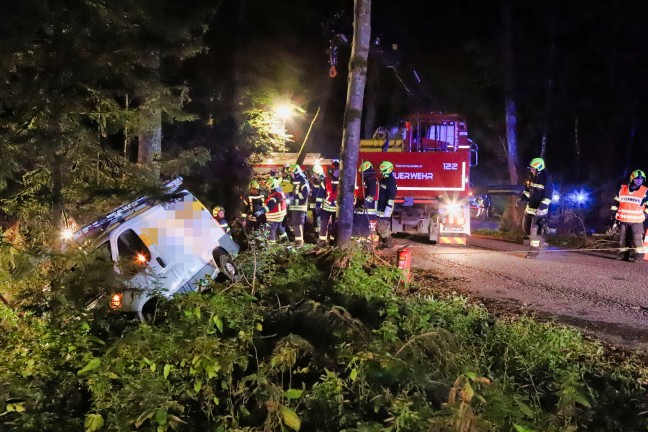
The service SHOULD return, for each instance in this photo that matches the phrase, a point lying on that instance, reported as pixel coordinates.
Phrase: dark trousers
(630, 236)
(361, 226)
(327, 230)
(296, 220)
(273, 227)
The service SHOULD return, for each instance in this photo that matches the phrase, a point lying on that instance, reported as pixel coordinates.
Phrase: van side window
(103, 253)
(132, 249)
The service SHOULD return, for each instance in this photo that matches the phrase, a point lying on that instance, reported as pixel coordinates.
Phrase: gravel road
(603, 297)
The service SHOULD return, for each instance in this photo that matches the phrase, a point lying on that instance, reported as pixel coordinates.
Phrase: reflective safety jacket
(538, 193)
(329, 204)
(252, 203)
(318, 191)
(275, 206)
(301, 193)
(367, 199)
(632, 204)
(387, 194)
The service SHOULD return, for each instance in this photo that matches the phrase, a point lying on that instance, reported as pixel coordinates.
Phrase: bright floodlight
(581, 197)
(555, 197)
(67, 234)
(283, 110)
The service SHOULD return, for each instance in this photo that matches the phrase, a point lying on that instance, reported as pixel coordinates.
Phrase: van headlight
(116, 301)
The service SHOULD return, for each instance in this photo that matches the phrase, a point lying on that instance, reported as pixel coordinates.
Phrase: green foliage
(322, 341)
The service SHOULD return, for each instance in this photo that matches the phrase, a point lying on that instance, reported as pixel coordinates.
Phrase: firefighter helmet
(335, 165)
(294, 169)
(366, 165)
(216, 210)
(386, 167)
(317, 169)
(637, 173)
(273, 183)
(537, 163)
(254, 185)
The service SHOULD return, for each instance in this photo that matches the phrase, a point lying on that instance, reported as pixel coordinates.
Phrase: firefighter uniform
(386, 197)
(329, 205)
(252, 202)
(537, 195)
(299, 207)
(365, 212)
(218, 213)
(630, 210)
(274, 210)
(318, 193)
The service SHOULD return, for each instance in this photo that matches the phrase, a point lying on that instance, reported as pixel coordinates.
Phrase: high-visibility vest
(631, 206)
(275, 207)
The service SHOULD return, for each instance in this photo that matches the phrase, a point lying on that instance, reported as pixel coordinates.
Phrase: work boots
(532, 254)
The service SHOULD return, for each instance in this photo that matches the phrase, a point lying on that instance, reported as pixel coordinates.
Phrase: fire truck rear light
(116, 301)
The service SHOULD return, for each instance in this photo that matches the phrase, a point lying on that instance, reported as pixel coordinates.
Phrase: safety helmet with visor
(272, 183)
(638, 174)
(537, 164)
(366, 165)
(386, 167)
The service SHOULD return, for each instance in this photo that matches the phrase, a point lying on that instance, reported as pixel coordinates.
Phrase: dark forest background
(578, 82)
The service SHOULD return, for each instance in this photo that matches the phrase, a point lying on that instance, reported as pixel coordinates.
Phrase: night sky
(596, 129)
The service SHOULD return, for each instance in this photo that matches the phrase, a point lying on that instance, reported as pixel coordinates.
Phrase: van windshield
(132, 249)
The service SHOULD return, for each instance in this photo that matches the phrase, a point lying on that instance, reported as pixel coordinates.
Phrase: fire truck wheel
(226, 265)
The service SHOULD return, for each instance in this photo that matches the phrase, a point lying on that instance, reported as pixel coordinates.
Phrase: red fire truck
(432, 156)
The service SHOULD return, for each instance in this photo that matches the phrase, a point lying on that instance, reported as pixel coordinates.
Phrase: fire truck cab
(432, 156)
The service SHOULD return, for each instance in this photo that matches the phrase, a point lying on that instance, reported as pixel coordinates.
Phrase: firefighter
(329, 206)
(286, 183)
(386, 196)
(218, 214)
(630, 208)
(252, 202)
(299, 207)
(537, 196)
(365, 210)
(274, 210)
(318, 193)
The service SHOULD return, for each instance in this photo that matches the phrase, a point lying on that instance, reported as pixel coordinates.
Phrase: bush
(310, 341)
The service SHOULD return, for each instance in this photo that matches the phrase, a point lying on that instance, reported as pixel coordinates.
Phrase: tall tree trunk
(509, 101)
(549, 86)
(371, 96)
(509, 89)
(149, 148)
(353, 117)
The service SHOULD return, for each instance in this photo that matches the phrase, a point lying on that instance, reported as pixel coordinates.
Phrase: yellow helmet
(254, 185)
(637, 173)
(294, 169)
(272, 183)
(537, 163)
(216, 210)
(365, 166)
(386, 167)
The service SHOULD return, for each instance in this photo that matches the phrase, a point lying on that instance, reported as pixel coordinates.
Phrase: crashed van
(162, 247)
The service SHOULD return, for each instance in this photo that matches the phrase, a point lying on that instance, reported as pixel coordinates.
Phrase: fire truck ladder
(122, 212)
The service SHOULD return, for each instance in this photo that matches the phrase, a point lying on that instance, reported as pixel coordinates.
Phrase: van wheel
(226, 265)
(151, 312)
